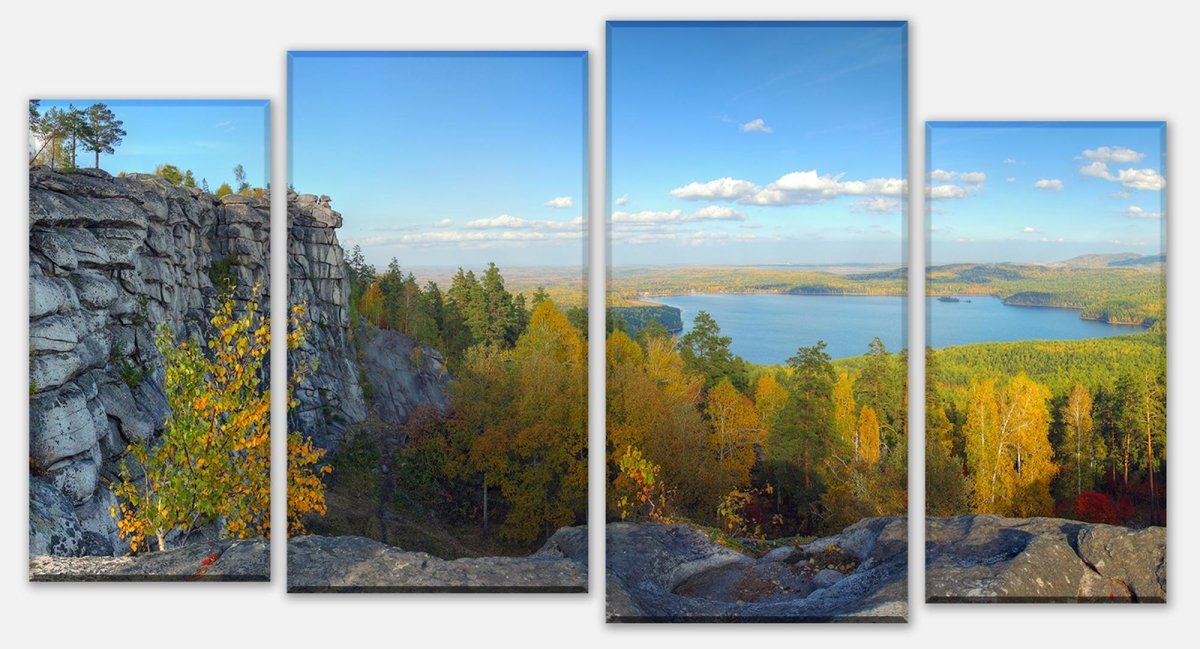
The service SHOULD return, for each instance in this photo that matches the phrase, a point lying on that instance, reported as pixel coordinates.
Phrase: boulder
(1135, 558)
(675, 573)
(987, 558)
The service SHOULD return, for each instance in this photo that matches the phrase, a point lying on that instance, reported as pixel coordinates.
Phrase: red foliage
(208, 561)
(1094, 507)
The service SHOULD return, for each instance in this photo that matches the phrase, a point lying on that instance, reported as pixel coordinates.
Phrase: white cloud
(1113, 154)
(475, 238)
(1029, 229)
(1122, 195)
(622, 200)
(509, 222)
(1010, 161)
(1144, 179)
(944, 187)
(943, 192)
(1096, 169)
(877, 205)
(1011, 179)
(706, 213)
(720, 189)
(756, 126)
(795, 188)
(560, 202)
(444, 223)
(1049, 184)
(715, 213)
(647, 216)
(973, 177)
(702, 237)
(1133, 211)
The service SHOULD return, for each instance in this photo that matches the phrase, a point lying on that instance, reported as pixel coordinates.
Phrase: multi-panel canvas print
(756, 455)
(149, 333)
(437, 209)
(1045, 425)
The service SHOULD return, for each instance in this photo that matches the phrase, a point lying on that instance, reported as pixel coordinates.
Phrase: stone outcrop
(225, 560)
(675, 573)
(403, 375)
(982, 558)
(357, 564)
(400, 374)
(111, 258)
(329, 398)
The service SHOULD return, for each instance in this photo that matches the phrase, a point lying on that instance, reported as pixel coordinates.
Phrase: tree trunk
(162, 540)
(1150, 452)
(97, 158)
(1079, 466)
(1125, 465)
(485, 504)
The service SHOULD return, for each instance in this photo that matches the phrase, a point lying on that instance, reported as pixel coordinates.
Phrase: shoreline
(650, 300)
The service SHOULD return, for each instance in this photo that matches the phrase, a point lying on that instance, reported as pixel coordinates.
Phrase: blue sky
(208, 137)
(445, 159)
(1043, 192)
(757, 143)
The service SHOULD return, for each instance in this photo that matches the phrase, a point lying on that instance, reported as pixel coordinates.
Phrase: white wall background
(1015, 59)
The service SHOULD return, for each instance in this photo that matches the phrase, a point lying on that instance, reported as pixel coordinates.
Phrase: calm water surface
(767, 329)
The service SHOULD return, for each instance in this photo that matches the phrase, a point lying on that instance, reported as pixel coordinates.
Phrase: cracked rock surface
(357, 564)
(224, 560)
(675, 573)
(985, 558)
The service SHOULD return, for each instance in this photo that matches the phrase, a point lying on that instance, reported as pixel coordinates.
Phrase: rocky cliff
(110, 259)
(345, 363)
(330, 398)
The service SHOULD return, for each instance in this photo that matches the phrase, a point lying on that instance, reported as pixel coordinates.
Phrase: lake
(768, 328)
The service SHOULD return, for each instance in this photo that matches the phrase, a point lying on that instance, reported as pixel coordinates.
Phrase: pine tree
(103, 133)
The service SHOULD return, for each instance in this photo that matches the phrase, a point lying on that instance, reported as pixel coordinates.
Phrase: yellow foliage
(736, 433)
(212, 463)
(1008, 448)
(868, 435)
(306, 484)
(845, 414)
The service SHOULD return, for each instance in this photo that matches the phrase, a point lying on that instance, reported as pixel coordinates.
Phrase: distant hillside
(1146, 260)
(1112, 260)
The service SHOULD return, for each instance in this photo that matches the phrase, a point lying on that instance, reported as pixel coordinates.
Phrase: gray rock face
(329, 397)
(674, 573)
(357, 564)
(402, 374)
(110, 259)
(981, 558)
(225, 560)
(53, 527)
